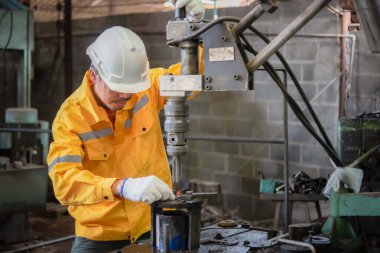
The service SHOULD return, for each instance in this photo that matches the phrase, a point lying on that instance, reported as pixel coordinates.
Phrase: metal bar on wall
(286, 154)
(343, 80)
(68, 49)
(286, 150)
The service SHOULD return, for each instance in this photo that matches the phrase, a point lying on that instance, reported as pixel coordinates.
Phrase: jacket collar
(90, 109)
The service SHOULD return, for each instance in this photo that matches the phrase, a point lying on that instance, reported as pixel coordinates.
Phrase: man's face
(110, 99)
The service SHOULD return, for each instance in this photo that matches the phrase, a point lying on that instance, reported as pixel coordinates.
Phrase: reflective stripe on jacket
(87, 156)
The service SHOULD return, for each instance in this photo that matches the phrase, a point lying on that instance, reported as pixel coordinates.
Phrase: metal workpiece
(178, 229)
(177, 170)
(287, 33)
(171, 231)
(189, 195)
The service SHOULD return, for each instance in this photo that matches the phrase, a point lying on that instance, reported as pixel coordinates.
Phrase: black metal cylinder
(180, 13)
(172, 231)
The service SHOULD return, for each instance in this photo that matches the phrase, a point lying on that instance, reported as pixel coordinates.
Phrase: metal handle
(180, 13)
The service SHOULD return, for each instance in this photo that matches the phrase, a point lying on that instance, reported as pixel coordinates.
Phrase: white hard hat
(120, 57)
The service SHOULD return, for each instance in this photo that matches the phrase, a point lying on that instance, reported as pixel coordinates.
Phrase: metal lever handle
(180, 13)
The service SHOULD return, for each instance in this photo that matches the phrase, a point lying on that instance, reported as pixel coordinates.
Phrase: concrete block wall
(256, 114)
(365, 85)
(259, 114)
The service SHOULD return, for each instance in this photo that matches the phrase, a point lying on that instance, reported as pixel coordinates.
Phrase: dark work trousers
(84, 245)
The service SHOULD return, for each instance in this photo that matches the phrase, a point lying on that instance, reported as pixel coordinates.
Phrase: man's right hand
(147, 189)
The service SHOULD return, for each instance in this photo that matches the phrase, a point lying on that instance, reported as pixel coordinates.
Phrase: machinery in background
(23, 146)
(357, 136)
(353, 217)
(23, 173)
(16, 26)
(176, 224)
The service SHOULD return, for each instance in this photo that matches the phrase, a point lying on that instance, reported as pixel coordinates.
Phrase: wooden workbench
(303, 198)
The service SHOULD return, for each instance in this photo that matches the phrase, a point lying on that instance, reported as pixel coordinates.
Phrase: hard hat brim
(129, 88)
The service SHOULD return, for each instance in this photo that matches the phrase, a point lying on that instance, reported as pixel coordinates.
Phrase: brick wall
(255, 113)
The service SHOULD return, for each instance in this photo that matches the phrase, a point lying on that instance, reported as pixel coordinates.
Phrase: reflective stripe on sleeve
(66, 159)
(95, 134)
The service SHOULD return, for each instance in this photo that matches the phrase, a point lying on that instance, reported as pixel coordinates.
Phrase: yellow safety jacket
(88, 156)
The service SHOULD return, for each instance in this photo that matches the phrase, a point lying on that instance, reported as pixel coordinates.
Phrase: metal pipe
(231, 139)
(286, 149)
(351, 59)
(286, 155)
(38, 245)
(28, 61)
(364, 156)
(286, 34)
(24, 130)
(68, 49)
(274, 239)
(177, 171)
(247, 20)
(345, 21)
(298, 243)
(316, 35)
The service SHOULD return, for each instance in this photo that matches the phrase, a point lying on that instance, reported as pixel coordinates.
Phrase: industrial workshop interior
(200, 126)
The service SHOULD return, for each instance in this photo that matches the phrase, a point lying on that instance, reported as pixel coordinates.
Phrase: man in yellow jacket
(108, 161)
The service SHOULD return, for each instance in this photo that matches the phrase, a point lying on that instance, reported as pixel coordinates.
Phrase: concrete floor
(55, 223)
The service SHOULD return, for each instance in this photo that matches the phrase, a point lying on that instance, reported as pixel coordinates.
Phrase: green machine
(357, 136)
(359, 140)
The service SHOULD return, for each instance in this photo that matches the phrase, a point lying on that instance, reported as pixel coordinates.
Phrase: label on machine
(222, 54)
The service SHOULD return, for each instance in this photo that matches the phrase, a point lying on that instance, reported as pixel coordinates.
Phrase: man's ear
(92, 75)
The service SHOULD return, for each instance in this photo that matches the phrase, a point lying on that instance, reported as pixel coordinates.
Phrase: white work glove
(194, 8)
(147, 189)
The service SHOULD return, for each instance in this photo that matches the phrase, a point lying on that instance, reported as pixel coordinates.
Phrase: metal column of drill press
(177, 113)
(176, 126)
(178, 229)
